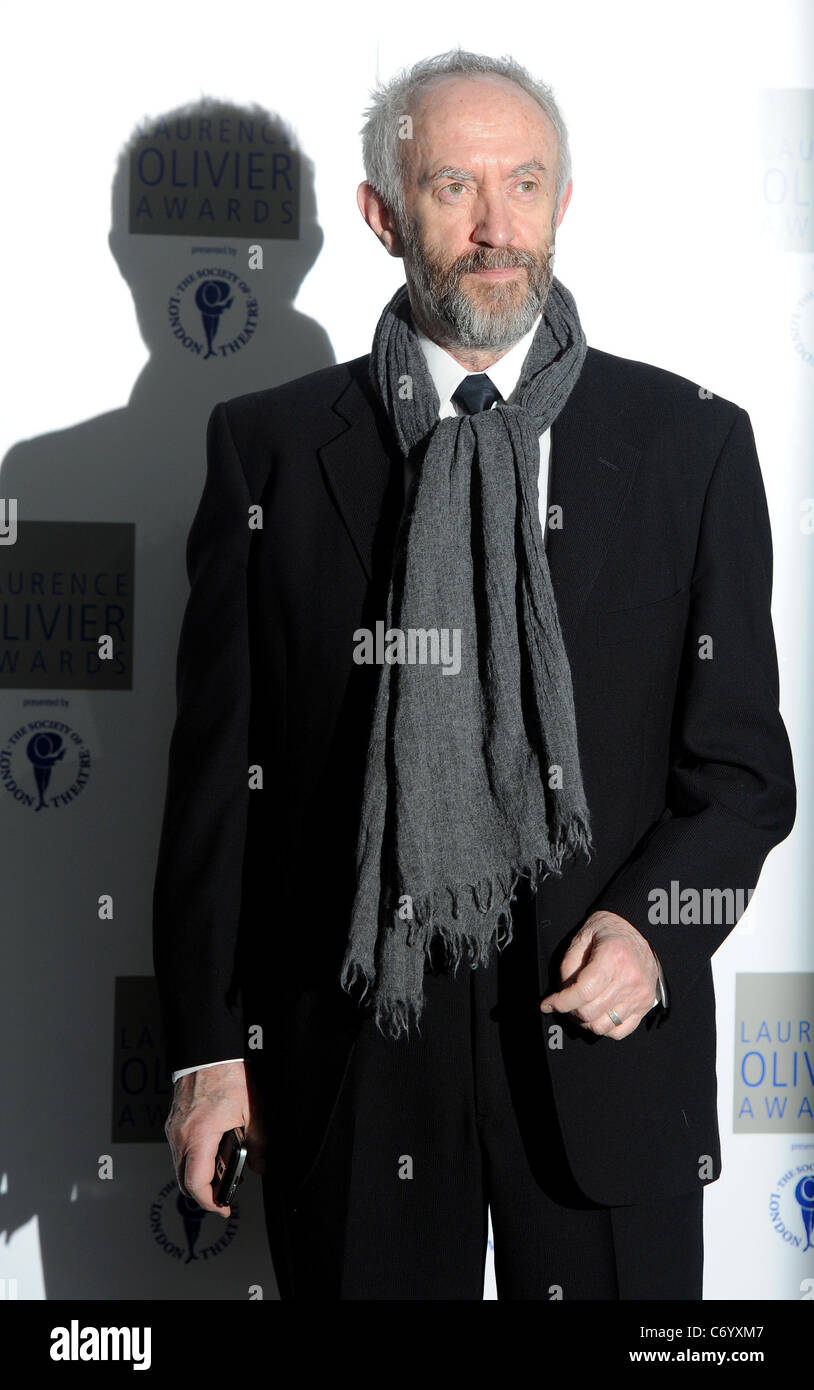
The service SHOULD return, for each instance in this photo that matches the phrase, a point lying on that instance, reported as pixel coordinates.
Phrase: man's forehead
(476, 111)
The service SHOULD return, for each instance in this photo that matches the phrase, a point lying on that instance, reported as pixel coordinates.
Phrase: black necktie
(477, 392)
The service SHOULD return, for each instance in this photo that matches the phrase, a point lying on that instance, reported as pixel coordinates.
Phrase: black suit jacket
(665, 540)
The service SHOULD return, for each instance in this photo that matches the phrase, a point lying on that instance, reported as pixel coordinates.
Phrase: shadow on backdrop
(129, 1235)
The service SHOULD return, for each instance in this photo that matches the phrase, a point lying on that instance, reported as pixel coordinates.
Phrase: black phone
(229, 1163)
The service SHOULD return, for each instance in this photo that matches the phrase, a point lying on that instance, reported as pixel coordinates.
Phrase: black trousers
(429, 1131)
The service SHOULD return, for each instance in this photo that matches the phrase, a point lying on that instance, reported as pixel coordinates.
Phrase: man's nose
(494, 225)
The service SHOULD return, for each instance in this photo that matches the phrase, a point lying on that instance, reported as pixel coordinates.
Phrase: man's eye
(529, 184)
(453, 187)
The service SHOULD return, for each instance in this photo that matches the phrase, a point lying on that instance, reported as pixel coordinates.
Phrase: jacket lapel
(363, 473)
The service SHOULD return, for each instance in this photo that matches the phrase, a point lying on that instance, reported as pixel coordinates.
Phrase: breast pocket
(644, 619)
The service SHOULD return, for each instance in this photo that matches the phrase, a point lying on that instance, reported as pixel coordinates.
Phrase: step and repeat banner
(214, 229)
(220, 208)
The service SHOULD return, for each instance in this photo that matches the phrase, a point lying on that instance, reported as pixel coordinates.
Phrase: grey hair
(392, 101)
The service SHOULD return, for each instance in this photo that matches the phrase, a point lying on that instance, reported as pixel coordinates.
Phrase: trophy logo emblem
(213, 313)
(212, 297)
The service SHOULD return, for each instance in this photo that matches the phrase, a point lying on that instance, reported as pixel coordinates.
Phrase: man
(349, 831)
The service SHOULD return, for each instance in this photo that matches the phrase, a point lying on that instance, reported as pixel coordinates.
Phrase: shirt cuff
(661, 988)
(185, 1071)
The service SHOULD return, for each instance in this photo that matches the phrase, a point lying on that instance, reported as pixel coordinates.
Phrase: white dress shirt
(447, 375)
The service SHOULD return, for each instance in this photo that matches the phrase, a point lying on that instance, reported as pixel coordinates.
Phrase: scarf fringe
(492, 896)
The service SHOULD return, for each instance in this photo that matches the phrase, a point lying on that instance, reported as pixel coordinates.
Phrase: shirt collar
(447, 374)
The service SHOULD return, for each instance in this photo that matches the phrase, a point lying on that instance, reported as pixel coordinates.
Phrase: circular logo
(791, 1207)
(213, 313)
(184, 1230)
(44, 765)
(802, 327)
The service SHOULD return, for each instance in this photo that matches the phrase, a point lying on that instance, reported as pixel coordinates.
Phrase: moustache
(481, 259)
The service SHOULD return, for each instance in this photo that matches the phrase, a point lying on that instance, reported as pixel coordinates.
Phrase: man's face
(479, 176)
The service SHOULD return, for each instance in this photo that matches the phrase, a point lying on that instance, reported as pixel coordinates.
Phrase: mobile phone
(231, 1157)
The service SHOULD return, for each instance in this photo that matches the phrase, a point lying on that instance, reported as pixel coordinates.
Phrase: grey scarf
(472, 780)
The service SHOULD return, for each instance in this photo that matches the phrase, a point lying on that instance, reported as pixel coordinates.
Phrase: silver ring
(614, 1017)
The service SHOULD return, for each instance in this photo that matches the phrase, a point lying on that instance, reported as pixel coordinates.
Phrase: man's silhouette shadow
(142, 463)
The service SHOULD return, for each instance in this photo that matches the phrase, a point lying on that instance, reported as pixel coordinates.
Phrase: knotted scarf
(472, 779)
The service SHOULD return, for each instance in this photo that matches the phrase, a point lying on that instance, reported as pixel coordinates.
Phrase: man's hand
(204, 1105)
(609, 965)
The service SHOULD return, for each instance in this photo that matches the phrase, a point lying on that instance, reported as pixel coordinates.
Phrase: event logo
(64, 587)
(773, 1083)
(182, 1228)
(213, 313)
(791, 1207)
(786, 134)
(218, 171)
(141, 1081)
(45, 765)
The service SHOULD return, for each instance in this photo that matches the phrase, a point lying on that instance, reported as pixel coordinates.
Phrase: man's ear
(564, 201)
(379, 217)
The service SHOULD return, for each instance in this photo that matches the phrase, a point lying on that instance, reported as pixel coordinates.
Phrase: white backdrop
(688, 243)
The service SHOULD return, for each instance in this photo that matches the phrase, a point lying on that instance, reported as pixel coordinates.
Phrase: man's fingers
(594, 1015)
(623, 1000)
(606, 970)
(198, 1169)
(616, 1034)
(611, 978)
(598, 1018)
(576, 956)
(594, 1012)
(563, 1001)
(592, 981)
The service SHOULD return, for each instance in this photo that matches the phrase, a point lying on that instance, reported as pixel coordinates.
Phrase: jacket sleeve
(730, 794)
(196, 907)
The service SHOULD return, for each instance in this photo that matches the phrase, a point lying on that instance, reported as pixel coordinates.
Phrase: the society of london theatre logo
(186, 1232)
(791, 1207)
(213, 313)
(44, 765)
